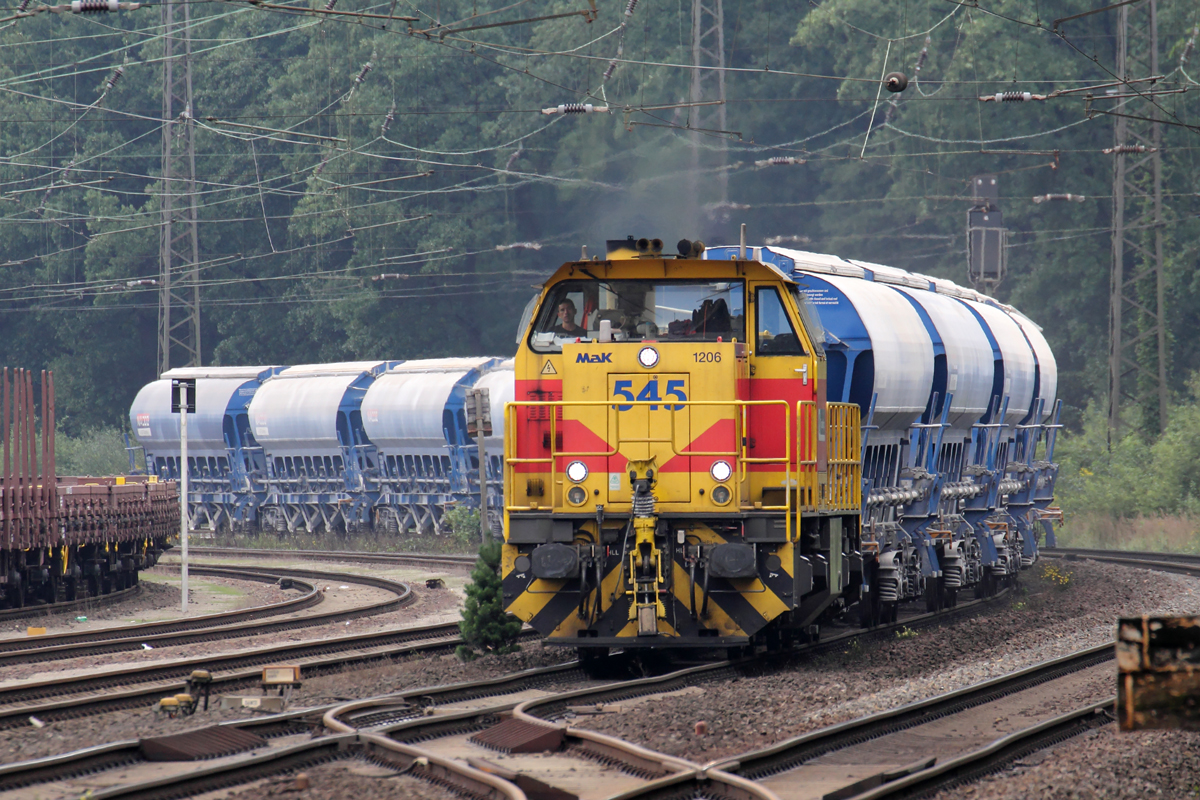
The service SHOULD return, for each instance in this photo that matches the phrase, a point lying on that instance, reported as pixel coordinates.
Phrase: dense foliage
(439, 157)
(485, 627)
(1137, 492)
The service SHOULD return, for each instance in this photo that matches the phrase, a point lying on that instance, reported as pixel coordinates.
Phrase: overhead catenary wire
(352, 185)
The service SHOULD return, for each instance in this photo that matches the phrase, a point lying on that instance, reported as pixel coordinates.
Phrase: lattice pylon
(1138, 338)
(179, 245)
(708, 86)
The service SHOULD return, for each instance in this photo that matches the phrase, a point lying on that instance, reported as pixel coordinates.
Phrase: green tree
(485, 626)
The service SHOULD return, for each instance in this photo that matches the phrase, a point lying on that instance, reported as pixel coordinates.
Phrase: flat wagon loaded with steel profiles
(69, 538)
(737, 445)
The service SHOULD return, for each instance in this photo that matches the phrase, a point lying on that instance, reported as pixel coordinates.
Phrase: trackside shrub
(485, 626)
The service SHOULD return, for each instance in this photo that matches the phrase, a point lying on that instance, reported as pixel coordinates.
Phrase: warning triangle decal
(549, 369)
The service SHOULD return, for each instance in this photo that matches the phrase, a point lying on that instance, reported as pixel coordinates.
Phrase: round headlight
(577, 495)
(648, 357)
(577, 471)
(720, 471)
(522, 564)
(720, 495)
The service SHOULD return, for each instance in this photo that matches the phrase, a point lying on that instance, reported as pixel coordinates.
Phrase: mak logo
(594, 358)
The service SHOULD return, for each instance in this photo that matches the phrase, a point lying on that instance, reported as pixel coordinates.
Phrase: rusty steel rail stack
(67, 538)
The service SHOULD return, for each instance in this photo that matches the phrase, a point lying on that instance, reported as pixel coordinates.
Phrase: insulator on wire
(1124, 149)
(921, 58)
(1070, 198)
(519, 246)
(1187, 48)
(1011, 97)
(575, 108)
(388, 120)
(112, 79)
(24, 4)
(330, 5)
(389, 276)
(362, 73)
(780, 161)
(94, 6)
(612, 65)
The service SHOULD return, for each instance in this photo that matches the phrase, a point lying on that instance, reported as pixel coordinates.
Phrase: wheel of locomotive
(593, 659)
(738, 653)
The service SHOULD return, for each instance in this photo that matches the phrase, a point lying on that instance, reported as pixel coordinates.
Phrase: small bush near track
(485, 625)
(463, 523)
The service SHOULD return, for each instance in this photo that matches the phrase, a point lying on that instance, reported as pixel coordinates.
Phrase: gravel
(19, 744)
(340, 780)
(1043, 621)
(1101, 763)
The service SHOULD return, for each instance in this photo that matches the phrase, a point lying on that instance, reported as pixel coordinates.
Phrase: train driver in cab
(566, 320)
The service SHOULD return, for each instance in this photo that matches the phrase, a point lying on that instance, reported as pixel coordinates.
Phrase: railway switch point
(200, 681)
(281, 679)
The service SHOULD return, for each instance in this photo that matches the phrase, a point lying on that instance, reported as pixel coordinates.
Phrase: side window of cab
(774, 333)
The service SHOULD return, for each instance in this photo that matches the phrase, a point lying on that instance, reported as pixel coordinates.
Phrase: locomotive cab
(673, 473)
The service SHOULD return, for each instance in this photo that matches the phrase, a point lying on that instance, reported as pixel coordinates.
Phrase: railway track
(396, 559)
(420, 722)
(859, 755)
(423, 733)
(211, 627)
(101, 601)
(137, 685)
(1182, 563)
(71, 606)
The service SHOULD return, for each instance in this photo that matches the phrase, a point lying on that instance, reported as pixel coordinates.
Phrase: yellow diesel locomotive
(674, 474)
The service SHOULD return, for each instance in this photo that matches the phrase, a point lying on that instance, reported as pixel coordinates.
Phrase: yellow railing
(843, 443)
(807, 480)
(740, 454)
(843, 438)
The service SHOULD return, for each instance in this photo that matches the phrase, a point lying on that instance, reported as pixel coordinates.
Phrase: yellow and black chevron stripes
(573, 612)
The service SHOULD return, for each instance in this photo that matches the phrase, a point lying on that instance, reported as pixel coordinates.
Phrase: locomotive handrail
(739, 453)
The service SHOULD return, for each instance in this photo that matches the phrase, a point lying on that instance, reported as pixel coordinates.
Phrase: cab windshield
(631, 311)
